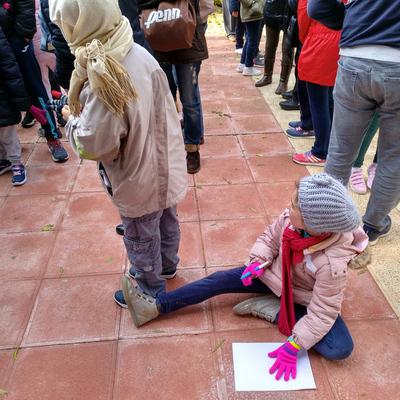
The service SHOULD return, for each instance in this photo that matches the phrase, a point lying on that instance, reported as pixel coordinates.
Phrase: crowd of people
(119, 103)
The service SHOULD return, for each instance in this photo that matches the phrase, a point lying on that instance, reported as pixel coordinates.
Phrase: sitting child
(308, 250)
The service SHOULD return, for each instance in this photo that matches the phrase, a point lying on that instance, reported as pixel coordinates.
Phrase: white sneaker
(251, 71)
(239, 51)
(240, 67)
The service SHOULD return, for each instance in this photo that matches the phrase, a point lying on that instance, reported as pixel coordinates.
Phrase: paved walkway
(63, 337)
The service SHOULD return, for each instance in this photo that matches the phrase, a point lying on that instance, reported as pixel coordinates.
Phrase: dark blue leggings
(337, 344)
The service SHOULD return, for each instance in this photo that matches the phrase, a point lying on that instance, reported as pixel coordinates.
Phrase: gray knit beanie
(326, 205)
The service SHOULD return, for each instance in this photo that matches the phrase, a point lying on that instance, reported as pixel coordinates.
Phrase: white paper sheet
(251, 366)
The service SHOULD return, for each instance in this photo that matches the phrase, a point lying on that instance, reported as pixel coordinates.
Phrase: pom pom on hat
(326, 206)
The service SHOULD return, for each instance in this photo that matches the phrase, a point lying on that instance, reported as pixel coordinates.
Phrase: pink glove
(39, 114)
(252, 269)
(286, 358)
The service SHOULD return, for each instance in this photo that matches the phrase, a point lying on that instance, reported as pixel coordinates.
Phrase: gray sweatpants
(10, 147)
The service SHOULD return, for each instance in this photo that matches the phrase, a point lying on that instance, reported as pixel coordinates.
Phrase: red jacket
(320, 52)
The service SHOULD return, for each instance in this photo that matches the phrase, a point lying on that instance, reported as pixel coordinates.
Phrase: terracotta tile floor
(56, 301)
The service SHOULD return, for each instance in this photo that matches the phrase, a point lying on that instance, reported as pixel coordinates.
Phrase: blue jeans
(362, 88)
(321, 107)
(337, 344)
(187, 79)
(152, 244)
(250, 47)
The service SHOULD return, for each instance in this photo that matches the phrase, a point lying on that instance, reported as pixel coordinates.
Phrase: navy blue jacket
(13, 97)
(364, 22)
(19, 19)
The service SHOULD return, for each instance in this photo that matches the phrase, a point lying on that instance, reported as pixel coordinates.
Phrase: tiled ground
(56, 302)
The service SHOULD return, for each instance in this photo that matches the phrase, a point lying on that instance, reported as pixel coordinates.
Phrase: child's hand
(253, 273)
(286, 359)
(66, 112)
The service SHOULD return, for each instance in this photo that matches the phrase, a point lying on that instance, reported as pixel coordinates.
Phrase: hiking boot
(28, 120)
(57, 150)
(357, 183)
(291, 104)
(165, 275)
(308, 158)
(143, 307)
(18, 175)
(193, 161)
(374, 235)
(371, 174)
(5, 166)
(251, 71)
(300, 133)
(240, 67)
(265, 307)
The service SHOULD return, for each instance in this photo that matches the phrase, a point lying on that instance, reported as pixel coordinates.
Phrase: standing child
(307, 251)
(13, 100)
(124, 118)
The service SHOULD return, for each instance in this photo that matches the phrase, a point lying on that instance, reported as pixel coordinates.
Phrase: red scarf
(293, 245)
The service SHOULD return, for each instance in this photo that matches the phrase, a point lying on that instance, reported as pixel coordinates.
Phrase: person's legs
(239, 33)
(363, 87)
(10, 146)
(372, 129)
(305, 111)
(189, 94)
(253, 30)
(143, 245)
(319, 98)
(220, 282)
(170, 238)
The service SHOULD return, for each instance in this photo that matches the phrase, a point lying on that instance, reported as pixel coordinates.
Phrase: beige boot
(285, 74)
(143, 307)
(268, 71)
(265, 307)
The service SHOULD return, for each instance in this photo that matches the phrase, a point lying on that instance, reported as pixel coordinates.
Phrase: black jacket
(13, 97)
(276, 14)
(198, 51)
(19, 19)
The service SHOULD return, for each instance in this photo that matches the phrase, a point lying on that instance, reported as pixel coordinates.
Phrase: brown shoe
(193, 162)
(284, 78)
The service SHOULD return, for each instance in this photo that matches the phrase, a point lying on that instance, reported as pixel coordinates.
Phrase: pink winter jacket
(318, 282)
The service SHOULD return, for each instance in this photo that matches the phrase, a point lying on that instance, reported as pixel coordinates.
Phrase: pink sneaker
(357, 183)
(371, 174)
(308, 159)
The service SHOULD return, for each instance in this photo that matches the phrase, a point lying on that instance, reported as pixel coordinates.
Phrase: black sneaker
(120, 229)
(165, 275)
(57, 150)
(119, 299)
(193, 162)
(287, 95)
(5, 166)
(374, 235)
(28, 120)
(290, 104)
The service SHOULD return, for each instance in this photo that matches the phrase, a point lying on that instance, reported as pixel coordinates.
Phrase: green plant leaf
(110, 259)
(15, 353)
(252, 209)
(158, 331)
(61, 270)
(48, 227)
(2, 391)
(219, 345)
(198, 186)
(53, 199)
(71, 183)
